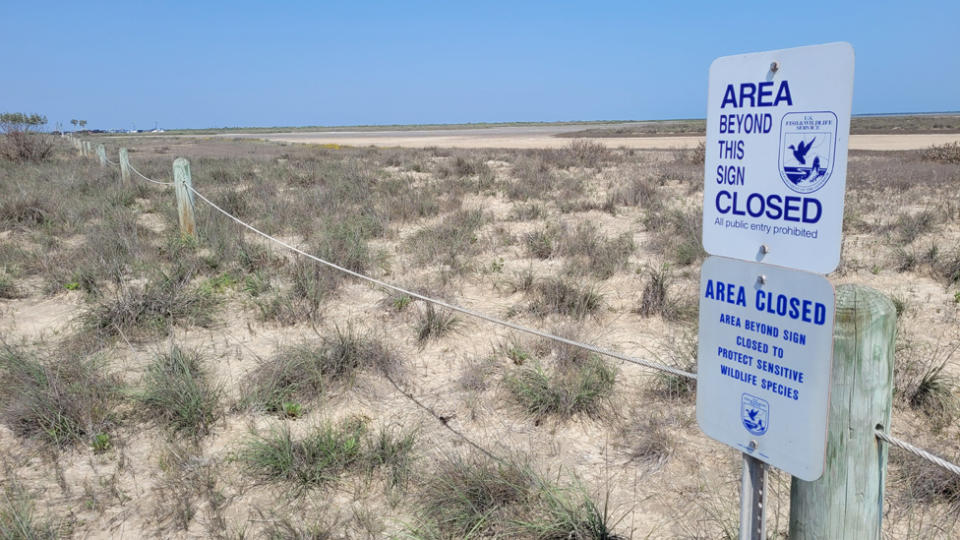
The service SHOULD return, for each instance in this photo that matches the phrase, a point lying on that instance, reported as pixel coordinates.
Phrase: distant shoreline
(691, 126)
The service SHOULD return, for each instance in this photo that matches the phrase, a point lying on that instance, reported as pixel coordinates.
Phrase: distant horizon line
(494, 123)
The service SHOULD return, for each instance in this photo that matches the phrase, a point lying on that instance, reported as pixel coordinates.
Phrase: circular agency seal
(807, 145)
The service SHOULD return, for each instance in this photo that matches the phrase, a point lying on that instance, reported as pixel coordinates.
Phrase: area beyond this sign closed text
(778, 124)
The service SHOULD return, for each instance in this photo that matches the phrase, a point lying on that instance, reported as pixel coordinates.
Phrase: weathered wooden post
(124, 166)
(847, 501)
(185, 207)
(102, 155)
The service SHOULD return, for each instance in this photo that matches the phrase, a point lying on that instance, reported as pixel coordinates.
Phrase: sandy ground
(125, 493)
(546, 137)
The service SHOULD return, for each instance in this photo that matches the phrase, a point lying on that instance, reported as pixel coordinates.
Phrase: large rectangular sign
(778, 123)
(764, 361)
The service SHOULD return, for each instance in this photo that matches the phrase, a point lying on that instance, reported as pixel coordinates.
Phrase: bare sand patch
(525, 138)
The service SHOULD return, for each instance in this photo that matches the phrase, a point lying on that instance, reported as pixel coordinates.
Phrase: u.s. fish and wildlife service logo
(807, 144)
(755, 414)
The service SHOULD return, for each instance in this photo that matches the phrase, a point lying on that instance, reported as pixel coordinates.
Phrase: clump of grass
(322, 456)
(187, 475)
(563, 296)
(645, 438)
(928, 483)
(562, 391)
(944, 153)
(534, 179)
(909, 227)
(433, 323)
(27, 209)
(307, 462)
(948, 267)
(542, 243)
(680, 352)
(474, 497)
(7, 288)
(678, 233)
(921, 382)
(18, 515)
(178, 391)
(658, 299)
(301, 373)
(515, 349)
(696, 155)
(63, 399)
(476, 373)
(634, 192)
(588, 153)
(345, 243)
(603, 255)
(454, 241)
(155, 307)
(527, 211)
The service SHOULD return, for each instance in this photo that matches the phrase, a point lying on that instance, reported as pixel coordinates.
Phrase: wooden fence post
(124, 166)
(182, 184)
(102, 155)
(847, 501)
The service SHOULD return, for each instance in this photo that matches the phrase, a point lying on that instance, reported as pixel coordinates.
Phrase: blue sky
(213, 64)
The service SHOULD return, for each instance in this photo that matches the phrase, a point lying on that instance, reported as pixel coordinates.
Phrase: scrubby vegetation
(196, 386)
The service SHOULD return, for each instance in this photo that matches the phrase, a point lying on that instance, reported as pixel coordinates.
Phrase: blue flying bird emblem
(801, 149)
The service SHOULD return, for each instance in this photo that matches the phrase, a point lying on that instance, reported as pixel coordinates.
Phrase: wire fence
(141, 175)
(880, 434)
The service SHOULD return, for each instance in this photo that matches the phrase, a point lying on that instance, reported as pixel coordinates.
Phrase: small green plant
(101, 443)
(291, 409)
(658, 299)
(922, 381)
(18, 515)
(479, 497)
(220, 283)
(177, 390)
(956, 297)
(155, 307)
(565, 297)
(72, 286)
(7, 288)
(302, 372)
(256, 284)
(401, 302)
(564, 390)
(62, 399)
(325, 454)
(680, 351)
(433, 323)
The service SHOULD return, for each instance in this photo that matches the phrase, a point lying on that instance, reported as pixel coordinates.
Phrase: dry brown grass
(569, 240)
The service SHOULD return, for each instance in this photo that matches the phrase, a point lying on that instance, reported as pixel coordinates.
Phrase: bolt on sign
(778, 123)
(764, 362)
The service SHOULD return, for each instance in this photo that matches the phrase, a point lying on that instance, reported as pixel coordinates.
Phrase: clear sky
(238, 63)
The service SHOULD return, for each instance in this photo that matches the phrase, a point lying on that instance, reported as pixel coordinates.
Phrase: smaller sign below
(764, 360)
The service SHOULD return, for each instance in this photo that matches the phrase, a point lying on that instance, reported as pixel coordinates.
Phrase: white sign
(764, 360)
(776, 156)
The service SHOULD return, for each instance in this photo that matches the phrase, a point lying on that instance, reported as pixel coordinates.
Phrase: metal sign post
(753, 499)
